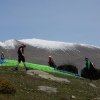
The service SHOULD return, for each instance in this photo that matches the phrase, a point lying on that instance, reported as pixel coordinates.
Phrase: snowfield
(44, 44)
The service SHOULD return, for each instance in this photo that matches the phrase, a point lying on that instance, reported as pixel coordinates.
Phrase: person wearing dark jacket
(2, 56)
(3, 60)
(51, 62)
(21, 56)
(90, 68)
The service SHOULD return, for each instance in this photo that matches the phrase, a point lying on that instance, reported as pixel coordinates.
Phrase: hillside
(37, 51)
(31, 87)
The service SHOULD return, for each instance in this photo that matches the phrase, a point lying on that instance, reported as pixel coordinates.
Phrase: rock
(97, 98)
(92, 85)
(47, 89)
(46, 75)
(73, 97)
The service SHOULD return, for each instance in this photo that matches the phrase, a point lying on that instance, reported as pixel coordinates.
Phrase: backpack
(92, 66)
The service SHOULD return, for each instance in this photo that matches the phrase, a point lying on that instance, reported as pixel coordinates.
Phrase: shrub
(69, 68)
(96, 73)
(6, 86)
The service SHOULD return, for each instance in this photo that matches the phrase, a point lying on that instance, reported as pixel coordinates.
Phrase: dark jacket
(2, 56)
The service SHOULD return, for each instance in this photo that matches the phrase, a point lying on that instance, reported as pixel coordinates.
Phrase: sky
(74, 21)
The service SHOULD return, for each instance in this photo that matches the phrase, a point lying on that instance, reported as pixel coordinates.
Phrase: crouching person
(51, 62)
(3, 60)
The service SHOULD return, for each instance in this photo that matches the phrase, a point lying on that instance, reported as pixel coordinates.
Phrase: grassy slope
(27, 86)
(34, 66)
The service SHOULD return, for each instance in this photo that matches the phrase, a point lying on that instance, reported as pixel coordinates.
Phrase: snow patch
(10, 44)
(44, 44)
(50, 45)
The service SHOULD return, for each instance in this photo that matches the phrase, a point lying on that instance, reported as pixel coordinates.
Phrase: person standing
(90, 68)
(21, 56)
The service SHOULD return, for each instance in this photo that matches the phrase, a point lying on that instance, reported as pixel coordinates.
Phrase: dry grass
(27, 87)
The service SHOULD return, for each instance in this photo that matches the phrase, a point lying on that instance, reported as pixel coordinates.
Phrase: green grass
(34, 66)
(27, 86)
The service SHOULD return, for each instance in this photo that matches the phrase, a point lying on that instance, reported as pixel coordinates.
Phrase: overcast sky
(75, 21)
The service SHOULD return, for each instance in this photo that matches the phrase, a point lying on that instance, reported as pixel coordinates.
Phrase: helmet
(86, 58)
(49, 56)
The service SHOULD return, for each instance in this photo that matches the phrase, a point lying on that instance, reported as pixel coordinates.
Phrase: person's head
(2, 52)
(49, 56)
(24, 45)
(86, 58)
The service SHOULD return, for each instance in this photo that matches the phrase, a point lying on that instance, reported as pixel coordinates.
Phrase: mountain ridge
(61, 52)
(53, 45)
